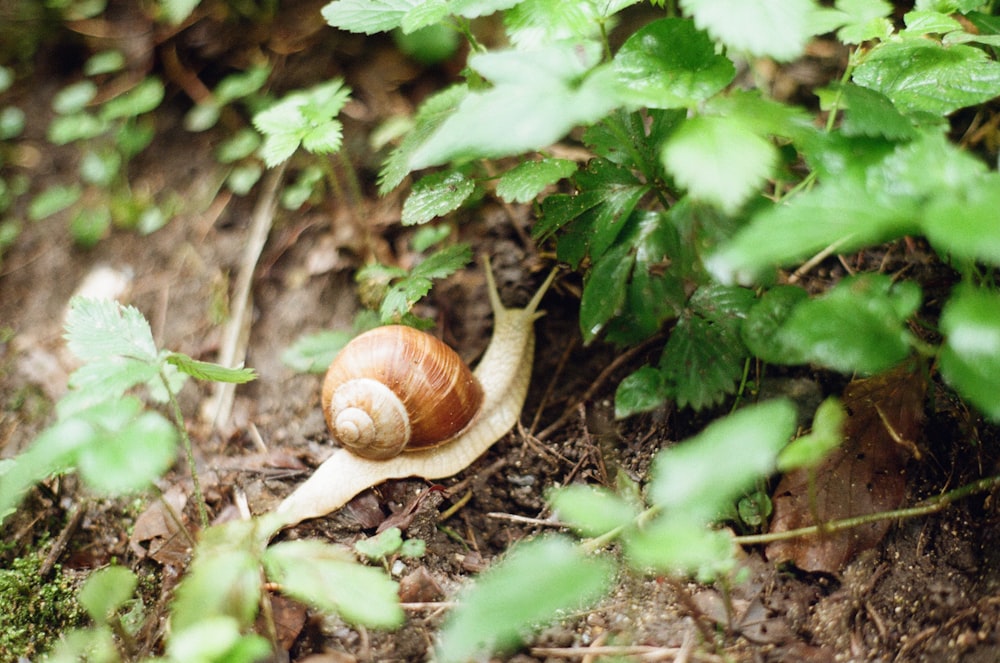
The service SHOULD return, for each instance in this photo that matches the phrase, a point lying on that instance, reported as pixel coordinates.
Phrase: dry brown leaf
(864, 476)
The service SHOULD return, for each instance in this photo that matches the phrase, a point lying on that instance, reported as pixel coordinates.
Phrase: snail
(488, 405)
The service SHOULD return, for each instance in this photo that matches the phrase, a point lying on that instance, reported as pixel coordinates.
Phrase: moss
(35, 610)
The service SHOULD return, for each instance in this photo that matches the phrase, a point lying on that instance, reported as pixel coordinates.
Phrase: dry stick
(603, 377)
(219, 406)
(59, 546)
(927, 507)
(644, 652)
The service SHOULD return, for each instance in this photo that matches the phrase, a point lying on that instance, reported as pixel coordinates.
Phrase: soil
(929, 592)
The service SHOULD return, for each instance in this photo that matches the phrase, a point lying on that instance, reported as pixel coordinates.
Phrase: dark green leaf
(604, 291)
(671, 64)
(870, 113)
(533, 582)
(527, 180)
(436, 195)
(633, 139)
(642, 391)
(826, 435)
(702, 361)
(765, 319)
(445, 262)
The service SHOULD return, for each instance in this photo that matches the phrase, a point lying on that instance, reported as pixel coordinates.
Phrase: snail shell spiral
(395, 389)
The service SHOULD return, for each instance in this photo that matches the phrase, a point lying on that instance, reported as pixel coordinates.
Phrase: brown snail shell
(395, 389)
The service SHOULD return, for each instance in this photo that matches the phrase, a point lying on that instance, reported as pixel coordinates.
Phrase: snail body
(503, 375)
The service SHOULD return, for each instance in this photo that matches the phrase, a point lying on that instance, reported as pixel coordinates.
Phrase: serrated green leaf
(965, 225)
(427, 13)
(98, 329)
(277, 148)
(765, 318)
(224, 580)
(325, 577)
(920, 75)
(857, 326)
(864, 20)
(826, 435)
(432, 113)
(922, 22)
(378, 547)
(368, 16)
(436, 195)
(312, 353)
(702, 361)
(680, 545)
(204, 370)
(323, 139)
(401, 296)
(109, 378)
(948, 6)
(533, 24)
(604, 290)
(759, 27)
(445, 262)
(533, 582)
(477, 8)
(531, 108)
(719, 160)
(527, 180)
(670, 64)
(701, 476)
(144, 97)
(970, 356)
(591, 510)
(633, 139)
(105, 591)
(640, 391)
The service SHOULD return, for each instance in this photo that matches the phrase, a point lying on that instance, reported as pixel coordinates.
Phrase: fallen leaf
(157, 532)
(865, 475)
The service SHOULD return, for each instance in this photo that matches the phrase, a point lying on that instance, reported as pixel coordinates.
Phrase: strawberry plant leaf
(436, 195)
(204, 370)
(921, 75)
(534, 582)
(591, 510)
(858, 325)
(641, 391)
(632, 139)
(765, 319)
(864, 20)
(313, 353)
(604, 291)
(719, 160)
(368, 16)
(922, 22)
(758, 27)
(427, 13)
(965, 226)
(525, 181)
(871, 113)
(826, 435)
(670, 64)
(970, 356)
(445, 262)
(105, 591)
(99, 329)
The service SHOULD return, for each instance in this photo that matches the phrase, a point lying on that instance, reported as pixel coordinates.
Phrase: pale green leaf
(970, 356)
(53, 200)
(97, 329)
(928, 22)
(368, 16)
(760, 27)
(864, 20)
(142, 98)
(528, 588)
(177, 11)
(106, 590)
(826, 435)
(323, 139)
(204, 370)
(592, 510)
(436, 195)
(327, 578)
(427, 13)
(966, 225)
(312, 353)
(719, 160)
(527, 180)
(75, 97)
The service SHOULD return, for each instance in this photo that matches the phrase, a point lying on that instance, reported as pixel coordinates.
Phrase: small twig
(217, 408)
(927, 507)
(817, 259)
(541, 522)
(59, 545)
(644, 652)
(597, 385)
(428, 605)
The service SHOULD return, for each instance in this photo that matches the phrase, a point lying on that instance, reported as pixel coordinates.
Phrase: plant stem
(188, 451)
(929, 506)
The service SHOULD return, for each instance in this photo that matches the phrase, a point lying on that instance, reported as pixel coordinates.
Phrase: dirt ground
(929, 592)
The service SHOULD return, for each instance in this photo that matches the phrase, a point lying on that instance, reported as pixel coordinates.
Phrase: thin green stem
(927, 507)
(188, 451)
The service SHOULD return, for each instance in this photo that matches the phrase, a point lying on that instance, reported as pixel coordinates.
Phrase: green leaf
(704, 357)
(238, 146)
(529, 108)
(144, 97)
(177, 11)
(536, 23)
(527, 180)
(921, 22)
(970, 356)
(533, 582)
(592, 510)
(217, 639)
(705, 474)
(920, 75)
(633, 139)
(323, 139)
(426, 14)
(53, 200)
(870, 113)
(105, 591)
(98, 329)
(679, 544)
(865, 20)
(74, 98)
(436, 195)
(826, 435)
(965, 225)
(327, 578)
(444, 262)
(381, 546)
(312, 353)
(241, 84)
(765, 319)
(107, 379)
(760, 27)
(204, 370)
(719, 160)
(640, 391)
(604, 291)
(857, 326)
(670, 64)
(79, 126)
(104, 62)
(129, 450)
(368, 16)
